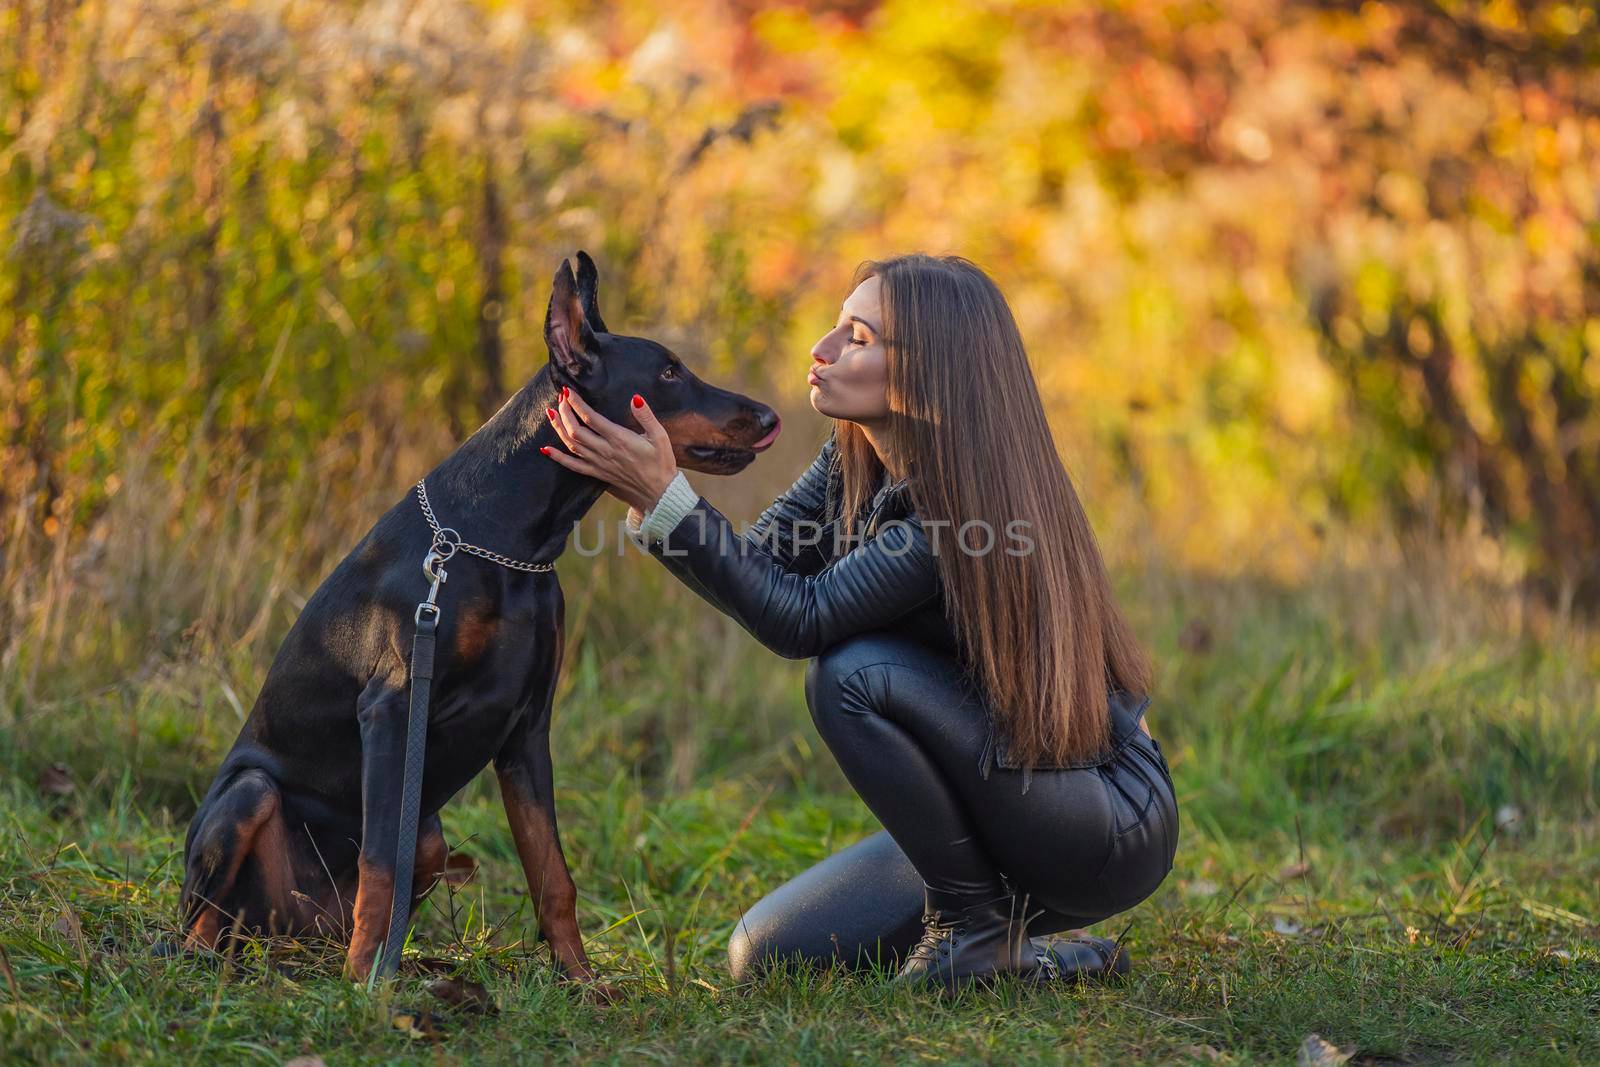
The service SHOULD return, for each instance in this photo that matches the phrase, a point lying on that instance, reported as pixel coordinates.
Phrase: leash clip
(433, 569)
(433, 565)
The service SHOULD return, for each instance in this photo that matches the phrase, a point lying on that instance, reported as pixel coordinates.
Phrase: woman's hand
(637, 467)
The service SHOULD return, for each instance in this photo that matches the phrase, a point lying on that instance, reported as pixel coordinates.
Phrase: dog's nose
(767, 422)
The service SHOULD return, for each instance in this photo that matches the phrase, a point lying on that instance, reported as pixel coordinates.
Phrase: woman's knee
(744, 950)
(832, 675)
(757, 942)
(848, 909)
(844, 674)
(851, 680)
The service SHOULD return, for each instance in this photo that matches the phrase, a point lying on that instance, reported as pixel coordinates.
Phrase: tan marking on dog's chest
(473, 632)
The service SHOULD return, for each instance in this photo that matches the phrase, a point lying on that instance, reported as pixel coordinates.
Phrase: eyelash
(859, 341)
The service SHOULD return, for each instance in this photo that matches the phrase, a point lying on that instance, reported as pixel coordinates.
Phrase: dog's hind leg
(432, 855)
(242, 822)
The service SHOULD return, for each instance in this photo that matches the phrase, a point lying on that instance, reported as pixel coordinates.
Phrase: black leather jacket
(799, 591)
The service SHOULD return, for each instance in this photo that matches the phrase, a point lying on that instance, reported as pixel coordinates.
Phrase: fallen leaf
(440, 965)
(1202, 1052)
(1287, 927)
(56, 781)
(418, 1024)
(1316, 1051)
(10, 975)
(459, 869)
(68, 925)
(463, 995)
(1294, 870)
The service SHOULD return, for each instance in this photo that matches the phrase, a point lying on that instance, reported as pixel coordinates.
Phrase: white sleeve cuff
(677, 500)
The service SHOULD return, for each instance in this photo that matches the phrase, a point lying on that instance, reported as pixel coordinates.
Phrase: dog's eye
(669, 373)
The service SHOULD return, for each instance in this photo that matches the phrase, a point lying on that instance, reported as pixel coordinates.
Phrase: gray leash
(446, 543)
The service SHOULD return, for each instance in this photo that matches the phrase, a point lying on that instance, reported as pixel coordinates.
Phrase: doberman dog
(297, 832)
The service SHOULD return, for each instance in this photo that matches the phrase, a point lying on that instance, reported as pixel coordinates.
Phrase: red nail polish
(545, 449)
(638, 401)
(563, 392)
(551, 412)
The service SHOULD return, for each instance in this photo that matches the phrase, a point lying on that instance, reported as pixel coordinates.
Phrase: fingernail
(638, 401)
(551, 412)
(563, 392)
(545, 449)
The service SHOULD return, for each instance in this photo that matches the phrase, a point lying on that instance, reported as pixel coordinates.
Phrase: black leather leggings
(908, 729)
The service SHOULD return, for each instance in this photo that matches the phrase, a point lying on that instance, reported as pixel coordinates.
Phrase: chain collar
(446, 542)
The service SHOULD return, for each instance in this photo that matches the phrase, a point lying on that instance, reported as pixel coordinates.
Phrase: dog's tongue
(772, 435)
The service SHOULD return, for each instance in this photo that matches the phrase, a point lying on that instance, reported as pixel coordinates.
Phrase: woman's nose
(827, 349)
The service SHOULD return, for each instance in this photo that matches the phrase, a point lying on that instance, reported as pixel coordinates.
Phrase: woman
(970, 669)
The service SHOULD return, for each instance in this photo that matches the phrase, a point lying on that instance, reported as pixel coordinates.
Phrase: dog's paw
(586, 982)
(595, 991)
(358, 965)
(170, 948)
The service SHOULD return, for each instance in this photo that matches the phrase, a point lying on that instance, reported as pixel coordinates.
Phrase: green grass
(1341, 754)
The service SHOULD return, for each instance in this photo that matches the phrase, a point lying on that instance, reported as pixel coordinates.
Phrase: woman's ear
(566, 330)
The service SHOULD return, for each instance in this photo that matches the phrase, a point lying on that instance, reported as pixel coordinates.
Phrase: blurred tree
(1472, 353)
(1279, 263)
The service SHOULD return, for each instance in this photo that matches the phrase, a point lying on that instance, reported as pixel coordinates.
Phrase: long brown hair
(1039, 626)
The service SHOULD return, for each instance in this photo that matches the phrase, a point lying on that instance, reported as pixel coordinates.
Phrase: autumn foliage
(1280, 265)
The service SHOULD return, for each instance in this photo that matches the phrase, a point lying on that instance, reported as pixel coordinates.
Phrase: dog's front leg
(528, 791)
(381, 712)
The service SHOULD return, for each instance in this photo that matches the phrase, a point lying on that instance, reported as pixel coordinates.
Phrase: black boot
(1082, 956)
(966, 939)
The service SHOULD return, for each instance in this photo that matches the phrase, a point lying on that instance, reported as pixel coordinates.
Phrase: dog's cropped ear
(589, 292)
(572, 342)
